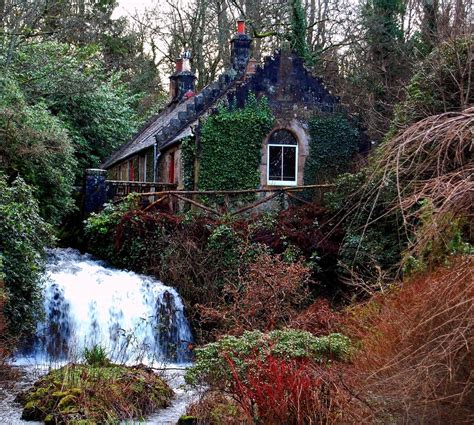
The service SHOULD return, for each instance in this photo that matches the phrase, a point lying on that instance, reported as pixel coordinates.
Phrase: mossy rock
(187, 420)
(32, 412)
(86, 395)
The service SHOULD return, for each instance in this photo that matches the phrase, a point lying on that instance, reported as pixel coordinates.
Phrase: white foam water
(135, 318)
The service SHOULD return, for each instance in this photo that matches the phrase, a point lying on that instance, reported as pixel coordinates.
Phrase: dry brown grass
(432, 160)
(416, 364)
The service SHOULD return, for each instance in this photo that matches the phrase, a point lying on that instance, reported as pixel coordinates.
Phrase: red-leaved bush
(289, 391)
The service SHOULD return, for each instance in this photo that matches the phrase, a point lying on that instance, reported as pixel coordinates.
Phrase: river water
(135, 318)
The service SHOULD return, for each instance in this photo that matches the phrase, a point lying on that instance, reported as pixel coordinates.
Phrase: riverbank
(26, 375)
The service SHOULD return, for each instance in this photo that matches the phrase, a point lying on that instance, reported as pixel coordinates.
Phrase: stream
(135, 318)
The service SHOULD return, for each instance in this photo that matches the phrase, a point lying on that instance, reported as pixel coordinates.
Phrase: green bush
(212, 366)
(94, 106)
(100, 228)
(23, 236)
(96, 356)
(372, 244)
(440, 84)
(36, 145)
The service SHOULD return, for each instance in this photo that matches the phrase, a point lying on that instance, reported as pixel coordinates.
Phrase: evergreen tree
(298, 30)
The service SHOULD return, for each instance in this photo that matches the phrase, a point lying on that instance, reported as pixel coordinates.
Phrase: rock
(31, 412)
(187, 420)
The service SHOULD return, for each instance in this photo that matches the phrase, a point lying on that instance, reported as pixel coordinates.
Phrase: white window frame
(282, 182)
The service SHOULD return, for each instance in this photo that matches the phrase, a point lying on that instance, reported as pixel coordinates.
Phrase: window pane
(275, 165)
(289, 164)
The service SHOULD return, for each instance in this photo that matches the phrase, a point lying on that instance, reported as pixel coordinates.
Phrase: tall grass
(417, 358)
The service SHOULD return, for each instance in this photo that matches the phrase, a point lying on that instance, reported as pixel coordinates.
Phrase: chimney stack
(182, 81)
(240, 48)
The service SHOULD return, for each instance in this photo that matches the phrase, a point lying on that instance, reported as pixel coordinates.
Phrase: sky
(126, 7)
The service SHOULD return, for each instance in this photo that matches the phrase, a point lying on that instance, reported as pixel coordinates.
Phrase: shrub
(36, 145)
(289, 391)
(212, 361)
(265, 294)
(23, 236)
(285, 376)
(100, 228)
(319, 318)
(96, 356)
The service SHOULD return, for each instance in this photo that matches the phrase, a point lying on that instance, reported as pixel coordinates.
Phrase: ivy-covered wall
(333, 143)
(230, 146)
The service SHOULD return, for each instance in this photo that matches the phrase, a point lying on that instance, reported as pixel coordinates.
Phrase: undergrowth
(415, 361)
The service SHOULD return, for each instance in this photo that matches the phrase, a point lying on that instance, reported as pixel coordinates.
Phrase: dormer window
(282, 159)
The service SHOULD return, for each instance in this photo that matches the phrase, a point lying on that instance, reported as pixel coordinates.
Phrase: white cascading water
(134, 317)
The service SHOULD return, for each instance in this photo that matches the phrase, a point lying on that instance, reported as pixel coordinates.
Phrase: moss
(187, 420)
(49, 420)
(74, 394)
(59, 394)
(31, 412)
(66, 402)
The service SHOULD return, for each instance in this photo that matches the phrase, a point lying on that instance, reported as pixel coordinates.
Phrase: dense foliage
(97, 109)
(441, 83)
(188, 156)
(24, 234)
(231, 145)
(334, 141)
(285, 376)
(35, 145)
(212, 365)
(234, 275)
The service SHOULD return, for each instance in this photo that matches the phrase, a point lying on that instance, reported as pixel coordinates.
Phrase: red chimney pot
(179, 64)
(241, 26)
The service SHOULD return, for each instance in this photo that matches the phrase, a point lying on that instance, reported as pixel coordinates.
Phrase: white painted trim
(282, 182)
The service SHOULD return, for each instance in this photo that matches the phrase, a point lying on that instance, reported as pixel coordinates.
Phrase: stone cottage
(155, 154)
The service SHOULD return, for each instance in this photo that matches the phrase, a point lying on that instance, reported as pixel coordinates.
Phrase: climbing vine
(333, 142)
(231, 144)
(188, 154)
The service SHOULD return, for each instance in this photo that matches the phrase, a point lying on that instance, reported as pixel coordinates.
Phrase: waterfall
(135, 318)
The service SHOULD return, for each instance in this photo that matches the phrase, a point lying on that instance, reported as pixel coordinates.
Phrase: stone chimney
(182, 81)
(241, 46)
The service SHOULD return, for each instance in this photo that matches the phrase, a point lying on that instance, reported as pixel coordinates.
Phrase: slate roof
(177, 119)
(167, 127)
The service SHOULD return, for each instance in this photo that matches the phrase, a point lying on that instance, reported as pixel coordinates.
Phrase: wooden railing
(233, 202)
(117, 189)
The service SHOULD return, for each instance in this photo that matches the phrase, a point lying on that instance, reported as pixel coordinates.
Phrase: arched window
(282, 159)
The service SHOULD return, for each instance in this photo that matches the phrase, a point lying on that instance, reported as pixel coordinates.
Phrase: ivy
(298, 32)
(231, 144)
(333, 142)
